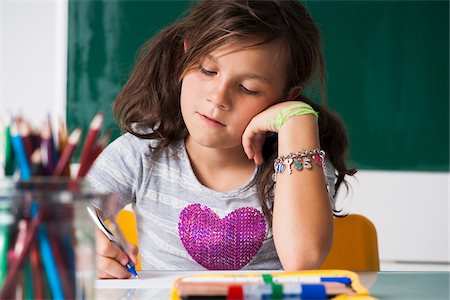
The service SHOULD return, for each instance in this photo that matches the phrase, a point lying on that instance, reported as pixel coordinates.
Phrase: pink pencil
(69, 149)
(94, 130)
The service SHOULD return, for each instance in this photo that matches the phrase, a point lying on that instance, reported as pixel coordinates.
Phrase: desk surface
(382, 285)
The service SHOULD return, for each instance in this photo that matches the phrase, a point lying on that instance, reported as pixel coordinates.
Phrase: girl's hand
(111, 260)
(255, 132)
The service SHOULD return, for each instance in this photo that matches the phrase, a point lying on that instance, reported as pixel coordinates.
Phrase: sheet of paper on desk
(146, 280)
(152, 279)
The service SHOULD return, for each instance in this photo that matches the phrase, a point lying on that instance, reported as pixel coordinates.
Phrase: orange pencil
(62, 143)
(62, 137)
(94, 130)
(72, 144)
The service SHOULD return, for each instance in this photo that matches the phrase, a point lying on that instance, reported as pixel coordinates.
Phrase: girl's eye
(247, 91)
(207, 72)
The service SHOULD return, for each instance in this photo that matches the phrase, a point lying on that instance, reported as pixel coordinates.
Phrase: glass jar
(47, 241)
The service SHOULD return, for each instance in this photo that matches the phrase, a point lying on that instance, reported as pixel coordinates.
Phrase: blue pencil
(19, 151)
(49, 263)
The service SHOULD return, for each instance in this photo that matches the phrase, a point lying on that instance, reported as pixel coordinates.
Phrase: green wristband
(292, 111)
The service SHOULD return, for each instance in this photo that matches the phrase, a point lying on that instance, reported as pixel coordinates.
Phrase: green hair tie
(292, 111)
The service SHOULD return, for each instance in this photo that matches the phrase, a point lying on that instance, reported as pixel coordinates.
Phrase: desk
(382, 285)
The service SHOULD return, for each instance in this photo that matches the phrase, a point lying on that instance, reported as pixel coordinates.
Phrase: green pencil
(9, 153)
(4, 245)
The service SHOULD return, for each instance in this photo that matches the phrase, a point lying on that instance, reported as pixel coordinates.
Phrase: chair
(126, 220)
(355, 245)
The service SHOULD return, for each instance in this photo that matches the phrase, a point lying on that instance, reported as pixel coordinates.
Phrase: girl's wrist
(298, 133)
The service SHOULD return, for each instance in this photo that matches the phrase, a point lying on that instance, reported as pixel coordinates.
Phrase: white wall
(409, 209)
(33, 58)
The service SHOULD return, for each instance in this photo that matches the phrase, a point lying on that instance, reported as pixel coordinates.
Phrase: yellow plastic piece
(361, 292)
(126, 220)
(355, 245)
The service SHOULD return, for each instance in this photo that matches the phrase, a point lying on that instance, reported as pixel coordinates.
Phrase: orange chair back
(126, 220)
(355, 245)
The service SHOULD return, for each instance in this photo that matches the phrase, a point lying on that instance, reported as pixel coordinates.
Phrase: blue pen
(101, 225)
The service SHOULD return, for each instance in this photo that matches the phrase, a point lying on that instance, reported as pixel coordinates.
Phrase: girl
(214, 117)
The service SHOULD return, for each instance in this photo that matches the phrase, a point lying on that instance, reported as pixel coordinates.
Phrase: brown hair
(151, 97)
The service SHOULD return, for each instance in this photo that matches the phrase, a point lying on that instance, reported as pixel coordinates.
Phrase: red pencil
(25, 133)
(13, 273)
(63, 269)
(94, 129)
(99, 146)
(36, 266)
(69, 149)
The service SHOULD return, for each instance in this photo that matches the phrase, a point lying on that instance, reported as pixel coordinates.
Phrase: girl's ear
(186, 45)
(294, 92)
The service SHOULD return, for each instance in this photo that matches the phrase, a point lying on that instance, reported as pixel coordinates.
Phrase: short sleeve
(118, 169)
(330, 177)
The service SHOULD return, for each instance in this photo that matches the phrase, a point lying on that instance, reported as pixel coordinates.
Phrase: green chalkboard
(387, 65)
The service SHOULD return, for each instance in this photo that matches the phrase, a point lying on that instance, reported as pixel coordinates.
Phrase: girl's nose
(220, 96)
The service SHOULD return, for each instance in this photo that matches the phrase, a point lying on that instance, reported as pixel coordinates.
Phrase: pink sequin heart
(221, 244)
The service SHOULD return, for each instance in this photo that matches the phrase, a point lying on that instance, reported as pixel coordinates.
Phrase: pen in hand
(117, 241)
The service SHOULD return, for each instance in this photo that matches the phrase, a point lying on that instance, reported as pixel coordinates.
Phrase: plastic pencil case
(360, 292)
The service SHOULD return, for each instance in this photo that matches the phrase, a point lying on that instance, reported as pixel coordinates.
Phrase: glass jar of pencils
(47, 242)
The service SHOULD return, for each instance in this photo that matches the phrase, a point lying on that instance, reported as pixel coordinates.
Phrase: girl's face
(227, 88)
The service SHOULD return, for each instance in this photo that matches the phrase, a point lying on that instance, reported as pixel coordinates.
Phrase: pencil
(63, 269)
(19, 151)
(49, 263)
(62, 143)
(94, 130)
(72, 144)
(36, 163)
(47, 150)
(9, 151)
(4, 245)
(16, 265)
(24, 131)
(36, 266)
(96, 150)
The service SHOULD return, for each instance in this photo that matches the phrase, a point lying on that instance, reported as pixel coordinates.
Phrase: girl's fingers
(111, 260)
(111, 268)
(132, 252)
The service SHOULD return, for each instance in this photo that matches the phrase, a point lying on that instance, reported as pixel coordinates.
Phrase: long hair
(151, 96)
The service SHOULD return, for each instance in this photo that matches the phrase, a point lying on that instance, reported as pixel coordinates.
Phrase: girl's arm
(302, 214)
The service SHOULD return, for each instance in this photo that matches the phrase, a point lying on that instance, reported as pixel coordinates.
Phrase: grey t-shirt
(183, 225)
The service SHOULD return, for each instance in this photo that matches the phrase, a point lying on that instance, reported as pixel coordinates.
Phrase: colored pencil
(24, 131)
(94, 130)
(62, 143)
(63, 269)
(4, 245)
(49, 263)
(62, 137)
(66, 156)
(17, 263)
(9, 151)
(36, 163)
(19, 151)
(97, 149)
(47, 150)
(36, 266)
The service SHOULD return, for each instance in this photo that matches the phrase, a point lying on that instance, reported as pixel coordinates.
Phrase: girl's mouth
(211, 122)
